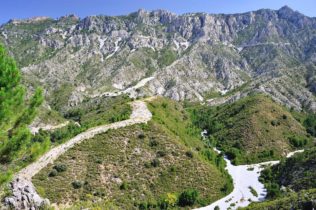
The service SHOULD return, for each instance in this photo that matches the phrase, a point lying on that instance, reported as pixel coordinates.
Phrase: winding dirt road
(24, 195)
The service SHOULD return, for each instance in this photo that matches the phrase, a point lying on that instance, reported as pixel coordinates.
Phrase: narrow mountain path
(24, 195)
(131, 91)
(47, 127)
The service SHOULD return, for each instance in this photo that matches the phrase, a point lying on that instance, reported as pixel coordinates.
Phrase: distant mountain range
(197, 56)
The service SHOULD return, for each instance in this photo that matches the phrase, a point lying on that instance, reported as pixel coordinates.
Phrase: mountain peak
(286, 8)
(285, 11)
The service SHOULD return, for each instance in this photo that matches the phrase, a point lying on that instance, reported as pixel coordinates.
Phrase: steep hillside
(140, 166)
(296, 173)
(304, 200)
(253, 129)
(291, 184)
(189, 55)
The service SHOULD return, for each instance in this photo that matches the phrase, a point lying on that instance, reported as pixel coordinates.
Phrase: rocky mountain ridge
(196, 56)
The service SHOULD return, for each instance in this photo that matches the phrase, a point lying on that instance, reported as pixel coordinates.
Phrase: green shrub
(155, 162)
(266, 154)
(310, 124)
(74, 114)
(53, 173)
(76, 184)
(164, 105)
(189, 154)
(153, 143)
(98, 161)
(168, 200)
(253, 191)
(225, 188)
(297, 142)
(147, 164)
(188, 197)
(62, 134)
(210, 156)
(172, 169)
(143, 206)
(275, 123)
(124, 186)
(161, 153)
(231, 154)
(60, 167)
(273, 190)
(5, 176)
(141, 136)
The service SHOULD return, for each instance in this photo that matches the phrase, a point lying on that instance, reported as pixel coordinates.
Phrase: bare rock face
(24, 196)
(188, 55)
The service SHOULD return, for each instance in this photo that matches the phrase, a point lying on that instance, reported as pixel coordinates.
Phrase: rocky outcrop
(24, 196)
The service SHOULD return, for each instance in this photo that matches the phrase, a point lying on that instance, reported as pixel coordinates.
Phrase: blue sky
(55, 8)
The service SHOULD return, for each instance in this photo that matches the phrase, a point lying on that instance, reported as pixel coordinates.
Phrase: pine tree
(16, 113)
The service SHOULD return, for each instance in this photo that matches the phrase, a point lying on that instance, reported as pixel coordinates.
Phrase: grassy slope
(253, 129)
(96, 112)
(49, 116)
(125, 155)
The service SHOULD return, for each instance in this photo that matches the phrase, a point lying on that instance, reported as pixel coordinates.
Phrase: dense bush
(141, 135)
(62, 134)
(226, 188)
(60, 167)
(188, 197)
(53, 173)
(155, 162)
(273, 190)
(124, 186)
(167, 201)
(275, 123)
(161, 153)
(310, 124)
(231, 154)
(169, 84)
(153, 143)
(266, 154)
(74, 114)
(76, 184)
(189, 154)
(297, 141)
